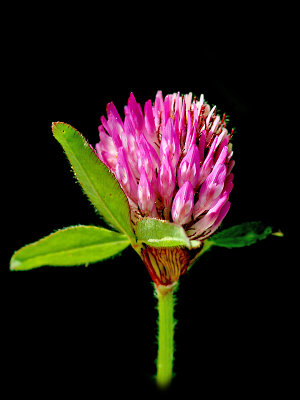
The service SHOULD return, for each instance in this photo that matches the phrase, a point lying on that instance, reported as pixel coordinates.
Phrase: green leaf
(76, 245)
(97, 181)
(159, 233)
(241, 235)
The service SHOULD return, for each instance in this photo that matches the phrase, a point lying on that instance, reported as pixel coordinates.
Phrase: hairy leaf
(96, 180)
(76, 245)
(241, 235)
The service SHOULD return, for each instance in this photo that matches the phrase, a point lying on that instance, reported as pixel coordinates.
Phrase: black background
(84, 330)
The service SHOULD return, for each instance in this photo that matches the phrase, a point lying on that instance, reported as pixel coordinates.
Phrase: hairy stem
(166, 325)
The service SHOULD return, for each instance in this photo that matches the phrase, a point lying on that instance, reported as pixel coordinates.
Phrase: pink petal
(210, 115)
(106, 149)
(109, 159)
(105, 124)
(209, 219)
(125, 176)
(182, 125)
(208, 163)
(170, 144)
(183, 203)
(158, 109)
(145, 160)
(149, 119)
(146, 196)
(178, 103)
(202, 142)
(188, 100)
(215, 124)
(222, 157)
(219, 220)
(166, 181)
(167, 108)
(210, 189)
(113, 114)
(136, 113)
(189, 167)
(189, 133)
(130, 144)
(106, 142)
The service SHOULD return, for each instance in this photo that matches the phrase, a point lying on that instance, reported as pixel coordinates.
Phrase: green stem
(166, 324)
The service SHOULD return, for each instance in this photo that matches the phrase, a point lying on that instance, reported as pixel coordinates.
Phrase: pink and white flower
(173, 160)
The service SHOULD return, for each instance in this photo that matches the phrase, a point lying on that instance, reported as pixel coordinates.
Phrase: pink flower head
(173, 160)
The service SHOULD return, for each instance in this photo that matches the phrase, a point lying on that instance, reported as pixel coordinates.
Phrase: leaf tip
(54, 124)
(14, 264)
(279, 233)
(58, 127)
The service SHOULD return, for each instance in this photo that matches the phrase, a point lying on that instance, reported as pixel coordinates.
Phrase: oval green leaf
(76, 245)
(241, 235)
(159, 233)
(96, 180)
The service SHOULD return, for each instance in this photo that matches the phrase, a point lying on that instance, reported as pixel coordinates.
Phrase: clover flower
(161, 179)
(173, 161)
